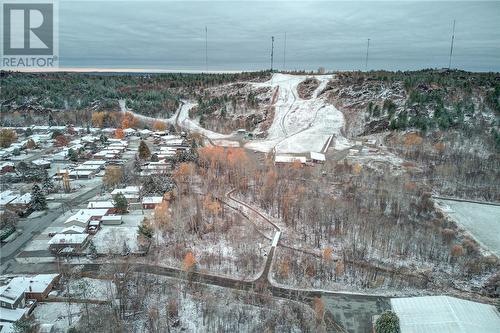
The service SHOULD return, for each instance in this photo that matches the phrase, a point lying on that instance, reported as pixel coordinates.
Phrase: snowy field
(299, 125)
(482, 221)
(111, 238)
(60, 314)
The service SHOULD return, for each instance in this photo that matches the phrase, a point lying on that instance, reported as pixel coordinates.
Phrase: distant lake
(170, 35)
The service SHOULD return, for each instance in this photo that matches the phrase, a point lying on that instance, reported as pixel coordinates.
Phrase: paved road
(33, 226)
(345, 312)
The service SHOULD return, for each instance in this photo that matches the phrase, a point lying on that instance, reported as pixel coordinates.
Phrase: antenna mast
(366, 60)
(452, 40)
(284, 54)
(272, 52)
(206, 48)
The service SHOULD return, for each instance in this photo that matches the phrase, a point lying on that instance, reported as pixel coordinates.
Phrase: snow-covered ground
(58, 313)
(299, 125)
(184, 121)
(480, 220)
(95, 289)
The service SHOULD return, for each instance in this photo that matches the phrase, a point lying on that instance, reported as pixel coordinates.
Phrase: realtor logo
(29, 31)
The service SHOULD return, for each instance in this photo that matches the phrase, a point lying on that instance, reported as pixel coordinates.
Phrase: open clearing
(481, 220)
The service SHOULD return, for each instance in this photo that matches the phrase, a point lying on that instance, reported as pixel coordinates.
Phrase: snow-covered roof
(22, 200)
(127, 190)
(289, 159)
(80, 172)
(444, 314)
(21, 284)
(129, 130)
(317, 156)
(40, 161)
(152, 200)
(112, 218)
(74, 229)
(6, 164)
(80, 217)
(68, 239)
(9, 316)
(90, 167)
(6, 197)
(94, 162)
(100, 204)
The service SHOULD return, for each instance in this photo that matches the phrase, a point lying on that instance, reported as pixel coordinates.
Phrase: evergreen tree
(388, 322)
(121, 203)
(48, 185)
(73, 155)
(38, 201)
(145, 230)
(154, 158)
(137, 164)
(92, 249)
(144, 152)
(103, 139)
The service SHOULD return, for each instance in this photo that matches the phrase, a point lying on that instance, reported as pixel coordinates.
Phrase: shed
(112, 220)
(151, 202)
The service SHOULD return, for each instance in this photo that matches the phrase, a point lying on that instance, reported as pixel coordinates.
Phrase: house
(81, 174)
(6, 197)
(88, 167)
(20, 291)
(72, 242)
(151, 202)
(145, 133)
(80, 219)
(100, 163)
(444, 314)
(41, 163)
(156, 168)
(288, 159)
(112, 220)
(84, 216)
(318, 157)
(74, 229)
(7, 167)
(129, 131)
(12, 295)
(21, 203)
(109, 205)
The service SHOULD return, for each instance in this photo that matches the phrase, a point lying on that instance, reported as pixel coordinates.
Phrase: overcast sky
(171, 35)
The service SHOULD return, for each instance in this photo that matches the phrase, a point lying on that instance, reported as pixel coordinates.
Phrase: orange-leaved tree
(189, 262)
(119, 134)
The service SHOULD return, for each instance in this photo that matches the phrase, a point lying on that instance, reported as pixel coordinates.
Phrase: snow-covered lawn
(111, 239)
(57, 313)
(481, 221)
(94, 289)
